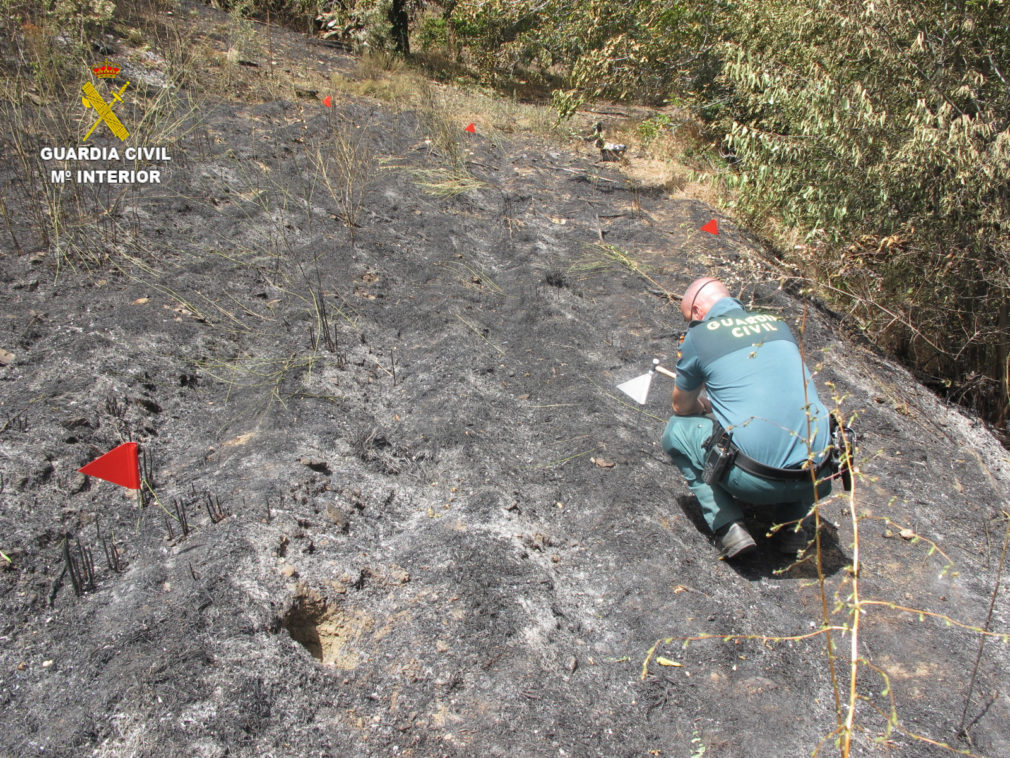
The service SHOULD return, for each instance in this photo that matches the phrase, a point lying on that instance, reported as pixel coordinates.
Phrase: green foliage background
(881, 130)
(634, 49)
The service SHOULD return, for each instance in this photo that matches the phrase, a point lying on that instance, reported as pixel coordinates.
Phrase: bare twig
(855, 614)
(819, 554)
(961, 730)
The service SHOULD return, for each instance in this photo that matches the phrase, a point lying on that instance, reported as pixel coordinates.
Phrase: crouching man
(769, 428)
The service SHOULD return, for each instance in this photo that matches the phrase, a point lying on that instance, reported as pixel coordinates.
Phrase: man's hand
(693, 403)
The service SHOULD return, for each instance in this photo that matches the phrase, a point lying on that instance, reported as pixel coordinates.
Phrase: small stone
(573, 663)
(30, 285)
(46, 664)
(338, 516)
(289, 571)
(316, 464)
(442, 646)
(906, 534)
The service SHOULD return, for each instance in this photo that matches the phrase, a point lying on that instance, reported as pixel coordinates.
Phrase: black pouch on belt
(719, 455)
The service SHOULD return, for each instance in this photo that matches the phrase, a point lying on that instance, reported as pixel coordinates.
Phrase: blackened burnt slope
(427, 489)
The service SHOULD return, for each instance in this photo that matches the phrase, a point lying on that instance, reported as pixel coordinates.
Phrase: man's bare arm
(690, 403)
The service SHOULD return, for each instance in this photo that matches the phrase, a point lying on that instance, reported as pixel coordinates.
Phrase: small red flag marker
(471, 128)
(328, 101)
(712, 227)
(119, 466)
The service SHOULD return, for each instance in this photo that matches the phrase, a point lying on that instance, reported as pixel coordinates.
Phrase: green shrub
(651, 128)
(566, 103)
(882, 133)
(434, 33)
(628, 50)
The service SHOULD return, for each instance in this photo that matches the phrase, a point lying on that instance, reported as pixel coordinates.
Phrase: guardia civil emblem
(93, 99)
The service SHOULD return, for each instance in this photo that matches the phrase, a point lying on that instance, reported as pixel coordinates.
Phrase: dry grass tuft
(346, 165)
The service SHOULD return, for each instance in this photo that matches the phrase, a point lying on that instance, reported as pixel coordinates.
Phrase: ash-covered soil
(421, 520)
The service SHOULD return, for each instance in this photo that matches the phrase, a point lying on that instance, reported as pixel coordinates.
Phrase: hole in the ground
(332, 634)
(302, 622)
(556, 279)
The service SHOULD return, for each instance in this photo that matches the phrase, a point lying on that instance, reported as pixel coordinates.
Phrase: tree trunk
(399, 21)
(1003, 362)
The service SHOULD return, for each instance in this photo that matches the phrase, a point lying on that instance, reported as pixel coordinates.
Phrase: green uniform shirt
(760, 390)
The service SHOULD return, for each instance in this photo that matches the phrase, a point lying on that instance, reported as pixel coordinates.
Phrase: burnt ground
(442, 530)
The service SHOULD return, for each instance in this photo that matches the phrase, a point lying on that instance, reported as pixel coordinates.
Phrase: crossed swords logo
(94, 100)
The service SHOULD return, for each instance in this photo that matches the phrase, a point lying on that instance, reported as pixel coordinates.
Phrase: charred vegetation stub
(79, 565)
(556, 278)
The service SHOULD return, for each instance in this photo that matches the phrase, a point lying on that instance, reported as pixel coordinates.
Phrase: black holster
(720, 453)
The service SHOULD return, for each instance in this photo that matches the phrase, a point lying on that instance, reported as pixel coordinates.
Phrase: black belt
(721, 438)
(752, 466)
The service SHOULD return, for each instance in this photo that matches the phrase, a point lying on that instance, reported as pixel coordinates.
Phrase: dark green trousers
(684, 439)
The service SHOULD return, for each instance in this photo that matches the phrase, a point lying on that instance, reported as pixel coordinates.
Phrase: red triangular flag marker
(712, 227)
(119, 466)
(471, 128)
(328, 101)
